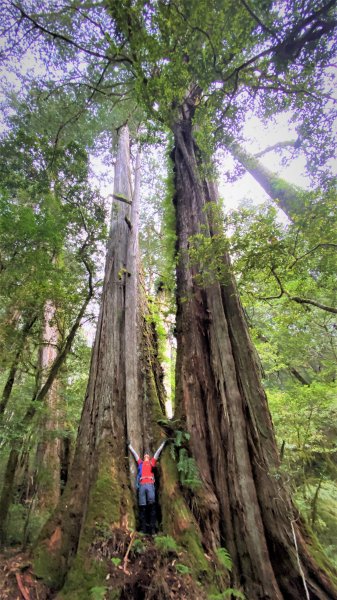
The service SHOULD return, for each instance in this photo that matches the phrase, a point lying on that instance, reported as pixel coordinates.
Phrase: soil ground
(141, 567)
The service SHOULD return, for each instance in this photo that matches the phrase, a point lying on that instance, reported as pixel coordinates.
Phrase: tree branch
(71, 42)
(279, 145)
(299, 300)
(322, 245)
(258, 20)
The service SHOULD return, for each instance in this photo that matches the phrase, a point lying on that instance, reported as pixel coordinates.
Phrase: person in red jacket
(146, 489)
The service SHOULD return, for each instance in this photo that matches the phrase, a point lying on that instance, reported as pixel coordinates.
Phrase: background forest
(76, 76)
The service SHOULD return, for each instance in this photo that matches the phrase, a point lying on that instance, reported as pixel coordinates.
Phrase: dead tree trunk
(244, 505)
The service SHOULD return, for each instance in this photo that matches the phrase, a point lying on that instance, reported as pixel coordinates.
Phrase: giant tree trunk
(132, 379)
(97, 490)
(98, 498)
(244, 505)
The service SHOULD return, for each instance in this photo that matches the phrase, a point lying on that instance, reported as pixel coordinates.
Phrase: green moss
(83, 577)
(107, 501)
(318, 553)
(48, 567)
(178, 521)
(104, 501)
(108, 504)
(200, 567)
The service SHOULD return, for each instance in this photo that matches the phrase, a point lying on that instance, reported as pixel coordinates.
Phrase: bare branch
(279, 283)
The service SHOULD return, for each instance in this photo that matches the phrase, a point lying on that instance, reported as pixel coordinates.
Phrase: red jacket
(146, 470)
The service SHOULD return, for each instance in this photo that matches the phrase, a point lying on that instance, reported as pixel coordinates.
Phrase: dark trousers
(148, 518)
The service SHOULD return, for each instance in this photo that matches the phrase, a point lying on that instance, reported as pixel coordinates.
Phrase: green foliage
(228, 593)
(116, 561)
(98, 592)
(206, 251)
(320, 511)
(287, 263)
(166, 544)
(182, 569)
(186, 465)
(224, 558)
(138, 546)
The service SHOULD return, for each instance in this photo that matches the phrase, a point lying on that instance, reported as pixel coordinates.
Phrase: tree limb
(299, 300)
(279, 145)
(60, 36)
(322, 245)
(258, 20)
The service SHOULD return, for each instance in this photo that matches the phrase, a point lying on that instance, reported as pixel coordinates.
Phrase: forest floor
(17, 580)
(140, 566)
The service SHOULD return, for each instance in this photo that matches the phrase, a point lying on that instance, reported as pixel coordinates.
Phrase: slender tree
(48, 455)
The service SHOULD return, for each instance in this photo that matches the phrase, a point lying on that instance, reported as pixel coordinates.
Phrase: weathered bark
(286, 196)
(133, 406)
(97, 491)
(244, 505)
(98, 494)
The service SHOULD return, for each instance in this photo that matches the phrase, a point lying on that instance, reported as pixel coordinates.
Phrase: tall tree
(98, 472)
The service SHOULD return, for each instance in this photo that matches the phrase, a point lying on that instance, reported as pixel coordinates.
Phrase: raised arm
(133, 451)
(158, 452)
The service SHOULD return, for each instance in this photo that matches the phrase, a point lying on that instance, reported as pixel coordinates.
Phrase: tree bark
(133, 406)
(244, 505)
(98, 495)
(97, 490)
(48, 454)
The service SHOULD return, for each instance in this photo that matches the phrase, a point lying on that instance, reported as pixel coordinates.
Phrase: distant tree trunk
(48, 455)
(287, 197)
(39, 395)
(7, 491)
(244, 505)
